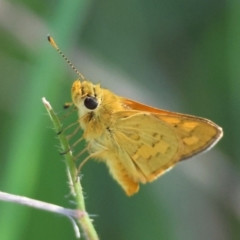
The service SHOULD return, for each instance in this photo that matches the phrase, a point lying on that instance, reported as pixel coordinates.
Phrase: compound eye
(91, 103)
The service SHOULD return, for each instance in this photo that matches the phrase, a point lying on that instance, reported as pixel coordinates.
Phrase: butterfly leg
(74, 132)
(66, 106)
(78, 141)
(86, 159)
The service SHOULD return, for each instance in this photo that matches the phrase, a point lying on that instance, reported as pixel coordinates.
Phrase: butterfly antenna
(50, 39)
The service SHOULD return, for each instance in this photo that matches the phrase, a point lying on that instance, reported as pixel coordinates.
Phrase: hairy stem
(76, 188)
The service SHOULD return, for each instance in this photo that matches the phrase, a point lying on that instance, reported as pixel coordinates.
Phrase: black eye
(91, 103)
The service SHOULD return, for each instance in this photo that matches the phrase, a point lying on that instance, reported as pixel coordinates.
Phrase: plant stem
(76, 188)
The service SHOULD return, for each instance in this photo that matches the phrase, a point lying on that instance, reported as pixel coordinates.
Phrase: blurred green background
(182, 56)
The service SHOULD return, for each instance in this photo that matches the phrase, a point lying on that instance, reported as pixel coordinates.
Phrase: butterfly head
(86, 96)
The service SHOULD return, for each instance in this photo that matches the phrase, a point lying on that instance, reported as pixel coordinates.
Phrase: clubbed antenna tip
(50, 39)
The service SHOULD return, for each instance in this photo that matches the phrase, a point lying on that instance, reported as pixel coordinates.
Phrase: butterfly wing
(150, 144)
(155, 140)
(195, 135)
(204, 129)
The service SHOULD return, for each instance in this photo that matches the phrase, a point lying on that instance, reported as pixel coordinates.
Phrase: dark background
(182, 56)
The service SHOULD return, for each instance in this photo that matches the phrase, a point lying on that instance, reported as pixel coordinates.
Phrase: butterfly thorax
(96, 108)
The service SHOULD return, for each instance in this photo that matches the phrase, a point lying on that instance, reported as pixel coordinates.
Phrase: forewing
(156, 140)
(196, 134)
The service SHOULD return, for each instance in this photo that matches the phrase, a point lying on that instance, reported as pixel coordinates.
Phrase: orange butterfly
(138, 143)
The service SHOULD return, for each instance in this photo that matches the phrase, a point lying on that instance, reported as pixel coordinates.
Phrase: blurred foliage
(182, 56)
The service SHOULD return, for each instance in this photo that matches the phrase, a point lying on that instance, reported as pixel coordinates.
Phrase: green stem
(76, 188)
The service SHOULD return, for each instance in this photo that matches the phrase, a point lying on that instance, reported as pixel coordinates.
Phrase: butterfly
(138, 143)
